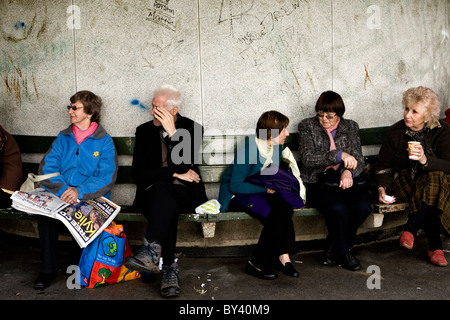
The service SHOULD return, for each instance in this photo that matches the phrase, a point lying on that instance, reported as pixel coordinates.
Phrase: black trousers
(428, 219)
(49, 230)
(277, 236)
(5, 201)
(344, 211)
(165, 201)
(48, 238)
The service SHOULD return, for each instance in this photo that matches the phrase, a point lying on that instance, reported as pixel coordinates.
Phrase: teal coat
(247, 162)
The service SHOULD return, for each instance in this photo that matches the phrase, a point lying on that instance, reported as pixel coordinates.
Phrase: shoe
(437, 257)
(170, 281)
(43, 280)
(349, 261)
(146, 259)
(251, 269)
(288, 269)
(407, 240)
(329, 256)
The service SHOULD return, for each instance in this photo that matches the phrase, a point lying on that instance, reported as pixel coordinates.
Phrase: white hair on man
(172, 94)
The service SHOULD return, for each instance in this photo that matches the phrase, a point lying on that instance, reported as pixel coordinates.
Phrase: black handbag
(329, 178)
(332, 178)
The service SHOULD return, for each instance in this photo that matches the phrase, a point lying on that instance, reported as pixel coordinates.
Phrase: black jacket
(182, 155)
(393, 155)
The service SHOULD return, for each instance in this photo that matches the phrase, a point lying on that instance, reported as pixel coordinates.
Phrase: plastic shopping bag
(101, 262)
(211, 206)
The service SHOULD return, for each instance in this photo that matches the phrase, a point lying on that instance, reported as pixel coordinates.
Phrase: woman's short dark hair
(330, 101)
(92, 103)
(271, 120)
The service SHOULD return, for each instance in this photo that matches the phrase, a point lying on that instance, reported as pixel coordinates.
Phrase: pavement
(389, 273)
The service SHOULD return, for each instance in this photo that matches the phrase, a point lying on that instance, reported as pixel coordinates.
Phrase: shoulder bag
(33, 181)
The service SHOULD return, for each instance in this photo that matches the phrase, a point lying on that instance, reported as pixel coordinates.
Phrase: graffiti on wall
(162, 14)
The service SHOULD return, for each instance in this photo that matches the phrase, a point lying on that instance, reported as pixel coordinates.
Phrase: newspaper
(85, 220)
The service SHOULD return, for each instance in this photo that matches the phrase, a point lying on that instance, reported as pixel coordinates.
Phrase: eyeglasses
(74, 108)
(328, 116)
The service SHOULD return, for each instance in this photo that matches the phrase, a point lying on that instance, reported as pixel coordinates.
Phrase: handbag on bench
(33, 181)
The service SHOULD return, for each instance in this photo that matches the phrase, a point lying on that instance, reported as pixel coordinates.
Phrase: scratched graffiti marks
(162, 14)
(268, 39)
(235, 12)
(261, 34)
(160, 52)
(248, 23)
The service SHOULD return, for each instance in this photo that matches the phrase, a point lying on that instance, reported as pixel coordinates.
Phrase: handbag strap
(38, 178)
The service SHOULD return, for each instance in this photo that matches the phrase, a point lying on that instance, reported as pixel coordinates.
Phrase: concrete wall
(232, 60)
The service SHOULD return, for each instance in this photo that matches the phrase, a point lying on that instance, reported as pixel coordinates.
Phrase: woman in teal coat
(277, 239)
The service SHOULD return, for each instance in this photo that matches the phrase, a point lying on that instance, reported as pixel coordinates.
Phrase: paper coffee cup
(412, 145)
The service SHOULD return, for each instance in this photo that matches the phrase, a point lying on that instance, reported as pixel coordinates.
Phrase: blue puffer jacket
(91, 167)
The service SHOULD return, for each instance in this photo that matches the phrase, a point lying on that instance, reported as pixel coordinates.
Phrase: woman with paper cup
(414, 165)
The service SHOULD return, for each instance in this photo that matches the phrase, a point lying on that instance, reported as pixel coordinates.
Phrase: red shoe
(437, 257)
(407, 240)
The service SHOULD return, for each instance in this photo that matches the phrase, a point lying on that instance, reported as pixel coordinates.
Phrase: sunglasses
(328, 116)
(74, 108)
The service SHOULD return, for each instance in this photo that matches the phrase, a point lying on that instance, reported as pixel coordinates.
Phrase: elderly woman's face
(78, 117)
(327, 119)
(414, 116)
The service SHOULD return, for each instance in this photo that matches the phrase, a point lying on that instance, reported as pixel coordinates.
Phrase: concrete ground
(388, 272)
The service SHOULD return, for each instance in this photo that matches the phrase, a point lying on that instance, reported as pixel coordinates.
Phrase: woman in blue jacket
(85, 156)
(272, 206)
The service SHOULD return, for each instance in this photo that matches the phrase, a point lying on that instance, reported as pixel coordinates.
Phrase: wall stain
(16, 83)
(136, 102)
(296, 79)
(367, 78)
(19, 25)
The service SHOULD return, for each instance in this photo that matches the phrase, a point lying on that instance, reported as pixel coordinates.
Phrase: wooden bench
(217, 152)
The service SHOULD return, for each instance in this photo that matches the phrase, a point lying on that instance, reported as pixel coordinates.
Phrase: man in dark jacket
(165, 170)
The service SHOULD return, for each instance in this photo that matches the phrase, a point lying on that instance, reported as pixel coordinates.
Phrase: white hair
(172, 94)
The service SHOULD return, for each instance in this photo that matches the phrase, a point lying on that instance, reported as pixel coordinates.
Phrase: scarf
(265, 151)
(332, 144)
(81, 135)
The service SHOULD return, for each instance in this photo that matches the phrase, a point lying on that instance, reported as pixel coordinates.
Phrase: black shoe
(170, 286)
(348, 261)
(43, 280)
(259, 273)
(288, 269)
(329, 257)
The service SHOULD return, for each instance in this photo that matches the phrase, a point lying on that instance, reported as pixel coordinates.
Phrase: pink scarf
(81, 135)
(332, 144)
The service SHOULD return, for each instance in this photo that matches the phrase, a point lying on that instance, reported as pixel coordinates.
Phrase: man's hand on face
(166, 118)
